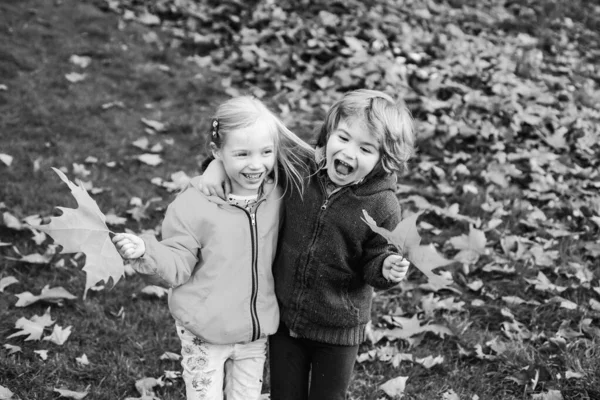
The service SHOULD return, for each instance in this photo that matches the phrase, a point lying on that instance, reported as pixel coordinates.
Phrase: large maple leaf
(84, 229)
(407, 240)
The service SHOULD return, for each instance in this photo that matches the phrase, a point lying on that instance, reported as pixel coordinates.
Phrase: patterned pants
(221, 371)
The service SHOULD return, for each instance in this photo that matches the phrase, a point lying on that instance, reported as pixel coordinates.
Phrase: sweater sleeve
(377, 249)
(171, 261)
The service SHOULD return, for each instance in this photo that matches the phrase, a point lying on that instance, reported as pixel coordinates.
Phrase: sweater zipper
(324, 206)
(254, 293)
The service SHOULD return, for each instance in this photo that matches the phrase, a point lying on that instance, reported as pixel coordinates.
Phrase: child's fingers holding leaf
(129, 246)
(395, 268)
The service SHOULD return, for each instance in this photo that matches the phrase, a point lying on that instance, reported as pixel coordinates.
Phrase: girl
(217, 255)
(328, 259)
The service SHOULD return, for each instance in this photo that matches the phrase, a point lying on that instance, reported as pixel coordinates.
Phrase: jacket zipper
(254, 294)
(314, 239)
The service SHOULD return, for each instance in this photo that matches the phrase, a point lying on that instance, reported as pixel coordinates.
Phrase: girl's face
(248, 156)
(352, 152)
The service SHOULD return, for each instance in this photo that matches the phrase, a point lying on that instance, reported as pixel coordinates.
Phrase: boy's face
(248, 156)
(352, 152)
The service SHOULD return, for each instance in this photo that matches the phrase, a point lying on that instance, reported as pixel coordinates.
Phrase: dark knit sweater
(329, 260)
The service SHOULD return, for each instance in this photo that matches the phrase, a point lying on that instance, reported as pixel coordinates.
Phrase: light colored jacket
(217, 258)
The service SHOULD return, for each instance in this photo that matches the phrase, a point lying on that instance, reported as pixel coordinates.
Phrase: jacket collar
(268, 187)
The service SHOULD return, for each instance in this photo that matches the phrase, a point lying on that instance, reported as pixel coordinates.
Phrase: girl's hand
(394, 268)
(129, 246)
(214, 181)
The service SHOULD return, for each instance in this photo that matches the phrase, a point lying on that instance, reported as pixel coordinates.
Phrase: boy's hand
(214, 181)
(394, 268)
(129, 246)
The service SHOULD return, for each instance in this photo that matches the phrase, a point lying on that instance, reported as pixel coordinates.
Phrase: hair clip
(215, 128)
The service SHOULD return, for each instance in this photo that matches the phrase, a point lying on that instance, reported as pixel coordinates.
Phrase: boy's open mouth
(342, 167)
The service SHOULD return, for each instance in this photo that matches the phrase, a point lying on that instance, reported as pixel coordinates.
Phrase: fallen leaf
(84, 230)
(6, 159)
(450, 395)
(71, 394)
(12, 222)
(12, 349)
(33, 327)
(5, 393)
(6, 281)
(59, 335)
(145, 386)
(150, 159)
(83, 360)
(394, 387)
(549, 395)
(429, 361)
(154, 290)
(80, 61)
(42, 353)
(33, 258)
(142, 143)
(75, 77)
(167, 355)
(55, 295)
(155, 125)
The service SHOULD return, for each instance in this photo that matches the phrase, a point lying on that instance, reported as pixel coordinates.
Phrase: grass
(46, 121)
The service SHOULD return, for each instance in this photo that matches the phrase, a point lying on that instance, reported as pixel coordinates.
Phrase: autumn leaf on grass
(55, 295)
(33, 327)
(59, 335)
(5, 393)
(12, 350)
(406, 239)
(408, 327)
(84, 230)
(394, 387)
(6, 281)
(71, 394)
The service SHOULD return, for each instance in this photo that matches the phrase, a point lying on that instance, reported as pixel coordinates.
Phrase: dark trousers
(294, 363)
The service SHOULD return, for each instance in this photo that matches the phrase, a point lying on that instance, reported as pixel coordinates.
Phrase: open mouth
(253, 177)
(342, 168)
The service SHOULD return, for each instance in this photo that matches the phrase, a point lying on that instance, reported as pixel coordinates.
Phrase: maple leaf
(42, 353)
(33, 327)
(59, 335)
(406, 239)
(12, 349)
(54, 295)
(404, 236)
(84, 230)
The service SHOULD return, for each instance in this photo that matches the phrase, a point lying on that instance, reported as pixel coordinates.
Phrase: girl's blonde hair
(388, 120)
(291, 152)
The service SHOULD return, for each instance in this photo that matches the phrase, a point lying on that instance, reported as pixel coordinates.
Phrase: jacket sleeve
(377, 249)
(171, 261)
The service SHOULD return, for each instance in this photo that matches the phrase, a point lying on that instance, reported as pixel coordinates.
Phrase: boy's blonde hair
(290, 151)
(388, 120)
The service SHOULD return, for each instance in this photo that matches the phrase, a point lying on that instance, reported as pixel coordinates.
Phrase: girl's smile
(248, 156)
(352, 152)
